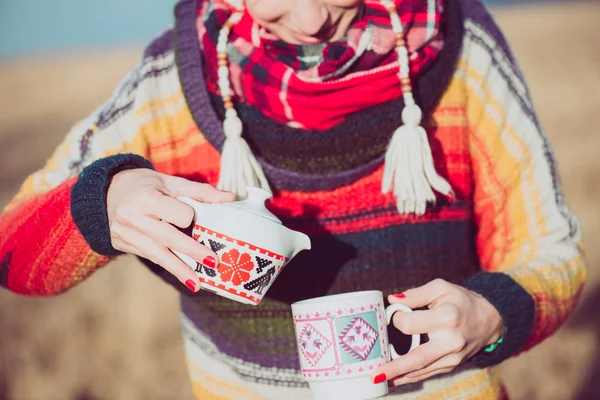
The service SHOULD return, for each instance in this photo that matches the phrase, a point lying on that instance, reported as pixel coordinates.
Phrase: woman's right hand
(143, 211)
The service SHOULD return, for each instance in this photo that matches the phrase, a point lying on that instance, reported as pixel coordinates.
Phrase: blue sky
(45, 25)
(28, 26)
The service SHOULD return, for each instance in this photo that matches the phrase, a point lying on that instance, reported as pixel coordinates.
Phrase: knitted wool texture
(508, 235)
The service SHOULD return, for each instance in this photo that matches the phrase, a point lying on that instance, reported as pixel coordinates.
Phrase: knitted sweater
(508, 234)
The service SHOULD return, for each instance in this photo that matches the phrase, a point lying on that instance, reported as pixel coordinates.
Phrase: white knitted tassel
(409, 170)
(239, 168)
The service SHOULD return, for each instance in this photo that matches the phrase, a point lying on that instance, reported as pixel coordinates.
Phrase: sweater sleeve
(529, 243)
(55, 230)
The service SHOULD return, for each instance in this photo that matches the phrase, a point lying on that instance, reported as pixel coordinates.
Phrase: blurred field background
(117, 336)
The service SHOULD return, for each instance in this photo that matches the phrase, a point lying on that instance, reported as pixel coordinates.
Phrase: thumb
(422, 296)
(199, 191)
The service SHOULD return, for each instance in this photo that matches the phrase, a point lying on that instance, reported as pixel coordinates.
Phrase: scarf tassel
(239, 167)
(409, 170)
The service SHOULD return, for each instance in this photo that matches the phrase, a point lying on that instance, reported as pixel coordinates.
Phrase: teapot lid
(255, 203)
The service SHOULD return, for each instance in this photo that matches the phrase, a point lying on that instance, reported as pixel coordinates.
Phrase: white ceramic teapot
(252, 244)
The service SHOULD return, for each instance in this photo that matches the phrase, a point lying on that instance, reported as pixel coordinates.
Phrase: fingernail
(379, 378)
(399, 295)
(209, 262)
(191, 285)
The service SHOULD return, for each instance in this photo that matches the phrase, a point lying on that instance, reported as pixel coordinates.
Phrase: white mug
(341, 339)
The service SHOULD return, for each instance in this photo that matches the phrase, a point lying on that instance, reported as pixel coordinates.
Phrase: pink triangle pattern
(359, 338)
(312, 344)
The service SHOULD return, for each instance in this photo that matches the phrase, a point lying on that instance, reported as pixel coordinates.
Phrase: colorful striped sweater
(508, 235)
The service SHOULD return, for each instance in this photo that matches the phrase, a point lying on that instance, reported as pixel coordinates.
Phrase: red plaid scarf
(275, 77)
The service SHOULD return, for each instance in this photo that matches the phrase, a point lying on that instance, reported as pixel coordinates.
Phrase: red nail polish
(191, 285)
(399, 295)
(379, 378)
(209, 262)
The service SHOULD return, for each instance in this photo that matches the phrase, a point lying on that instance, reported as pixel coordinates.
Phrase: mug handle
(389, 313)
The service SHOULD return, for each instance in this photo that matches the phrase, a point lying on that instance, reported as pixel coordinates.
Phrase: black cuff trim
(88, 199)
(516, 307)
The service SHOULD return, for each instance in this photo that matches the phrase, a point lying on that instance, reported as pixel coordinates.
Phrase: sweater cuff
(88, 199)
(516, 307)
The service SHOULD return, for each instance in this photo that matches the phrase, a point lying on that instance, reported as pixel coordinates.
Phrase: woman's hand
(143, 211)
(459, 324)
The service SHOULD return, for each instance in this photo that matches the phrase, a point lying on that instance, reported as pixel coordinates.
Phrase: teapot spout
(302, 243)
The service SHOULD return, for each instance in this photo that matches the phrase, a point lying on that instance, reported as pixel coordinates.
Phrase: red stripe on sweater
(42, 228)
(548, 318)
(338, 210)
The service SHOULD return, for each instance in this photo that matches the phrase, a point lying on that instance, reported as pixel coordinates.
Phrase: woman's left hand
(459, 324)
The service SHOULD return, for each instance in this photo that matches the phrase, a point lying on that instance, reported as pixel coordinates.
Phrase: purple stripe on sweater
(476, 11)
(200, 317)
(283, 179)
(161, 45)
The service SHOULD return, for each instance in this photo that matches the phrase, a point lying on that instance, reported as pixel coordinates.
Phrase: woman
(399, 135)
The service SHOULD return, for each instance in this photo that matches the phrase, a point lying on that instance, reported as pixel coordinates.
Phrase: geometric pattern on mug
(359, 337)
(312, 344)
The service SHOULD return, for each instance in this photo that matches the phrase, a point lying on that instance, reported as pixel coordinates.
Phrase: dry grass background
(117, 336)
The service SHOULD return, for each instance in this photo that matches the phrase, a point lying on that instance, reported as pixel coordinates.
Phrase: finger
(171, 210)
(170, 237)
(449, 361)
(406, 380)
(161, 255)
(422, 296)
(120, 241)
(425, 321)
(200, 191)
(421, 357)
(129, 249)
